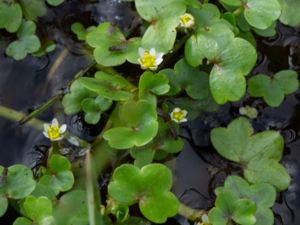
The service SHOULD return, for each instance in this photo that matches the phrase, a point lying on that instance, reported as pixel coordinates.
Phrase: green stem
(238, 11)
(189, 213)
(16, 116)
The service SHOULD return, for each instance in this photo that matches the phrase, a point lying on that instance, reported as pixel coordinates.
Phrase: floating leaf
(230, 208)
(151, 84)
(140, 125)
(164, 17)
(185, 77)
(273, 89)
(259, 154)
(33, 8)
(80, 31)
(59, 175)
(111, 46)
(71, 209)
(289, 14)
(27, 41)
(55, 2)
(262, 194)
(149, 186)
(109, 86)
(10, 16)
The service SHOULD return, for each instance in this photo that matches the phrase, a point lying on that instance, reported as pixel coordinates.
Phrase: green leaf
(289, 13)
(227, 82)
(3, 204)
(43, 190)
(231, 2)
(111, 46)
(149, 186)
(273, 89)
(55, 2)
(37, 208)
(10, 16)
(113, 87)
(261, 14)
(59, 175)
(19, 182)
(92, 117)
(238, 143)
(22, 221)
(151, 84)
(71, 209)
(185, 77)
(262, 194)
(72, 101)
(140, 125)
(164, 17)
(33, 8)
(27, 41)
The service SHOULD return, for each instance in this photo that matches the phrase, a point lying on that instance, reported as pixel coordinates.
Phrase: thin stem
(189, 213)
(16, 116)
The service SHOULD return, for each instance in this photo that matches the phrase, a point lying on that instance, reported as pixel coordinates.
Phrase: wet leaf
(289, 14)
(55, 2)
(27, 41)
(185, 77)
(33, 9)
(59, 175)
(149, 186)
(3, 204)
(80, 31)
(262, 194)
(111, 47)
(273, 89)
(10, 16)
(139, 125)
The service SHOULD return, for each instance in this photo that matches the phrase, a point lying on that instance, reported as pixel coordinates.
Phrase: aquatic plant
(196, 56)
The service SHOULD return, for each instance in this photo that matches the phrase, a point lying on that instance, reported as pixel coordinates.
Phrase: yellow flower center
(185, 19)
(148, 60)
(53, 132)
(178, 115)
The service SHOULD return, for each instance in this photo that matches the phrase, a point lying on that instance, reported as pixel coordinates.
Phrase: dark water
(198, 170)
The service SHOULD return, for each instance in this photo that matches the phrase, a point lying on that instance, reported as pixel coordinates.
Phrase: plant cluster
(192, 56)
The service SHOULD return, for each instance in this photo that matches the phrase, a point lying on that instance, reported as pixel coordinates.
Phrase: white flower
(54, 131)
(178, 115)
(149, 59)
(187, 21)
(204, 220)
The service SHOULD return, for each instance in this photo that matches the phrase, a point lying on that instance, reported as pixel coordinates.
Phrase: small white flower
(178, 115)
(54, 131)
(187, 21)
(149, 59)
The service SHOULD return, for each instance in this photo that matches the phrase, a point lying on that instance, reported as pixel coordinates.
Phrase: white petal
(46, 127)
(55, 122)
(159, 55)
(58, 139)
(153, 68)
(141, 52)
(204, 218)
(62, 128)
(45, 134)
(176, 109)
(158, 61)
(184, 112)
(152, 52)
(183, 120)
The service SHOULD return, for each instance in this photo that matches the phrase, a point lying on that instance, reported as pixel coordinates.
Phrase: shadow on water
(26, 84)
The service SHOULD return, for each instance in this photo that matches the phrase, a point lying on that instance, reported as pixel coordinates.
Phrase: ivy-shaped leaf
(33, 9)
(71, 209)
(273, 89)
(36, 211)
(149, 186)
(27, 41)
(165, 141)
(111, 46)
(59, 175)
(258, 153)
(262, 194)
(259, 14)
(80, 31)
(164, 17)
(229, 208)
(151, 84)
(109, 86)
(139, 125)
(289, 13)
(185, 77)
(16, 182)
(10, 16)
